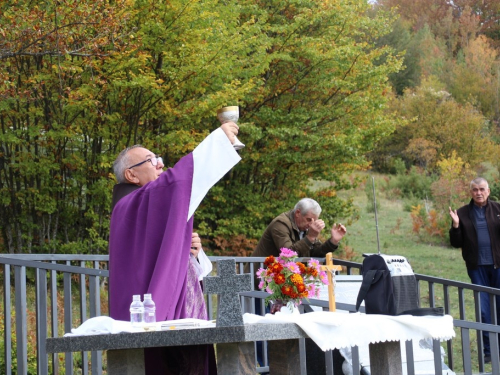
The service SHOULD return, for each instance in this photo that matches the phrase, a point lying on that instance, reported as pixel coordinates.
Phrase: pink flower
(287, 253)
(311, 289)
(313, 263)
(323, 277)
(260, 271)
(293, 267)
(261, 284)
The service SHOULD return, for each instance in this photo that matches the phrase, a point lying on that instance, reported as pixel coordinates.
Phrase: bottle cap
(147, 296)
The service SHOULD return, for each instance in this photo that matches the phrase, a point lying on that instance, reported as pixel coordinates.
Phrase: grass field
(397, 238)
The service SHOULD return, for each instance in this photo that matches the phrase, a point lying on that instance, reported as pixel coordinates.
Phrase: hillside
(396, 237)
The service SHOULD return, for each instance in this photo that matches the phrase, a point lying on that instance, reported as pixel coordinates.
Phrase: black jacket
(465, 236)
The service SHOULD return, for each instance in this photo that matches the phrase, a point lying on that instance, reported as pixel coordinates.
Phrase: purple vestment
(149, 249)
(150, 240)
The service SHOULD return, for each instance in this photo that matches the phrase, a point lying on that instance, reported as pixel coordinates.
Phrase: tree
(450, 20)
(475, 77)
(82, 80)
(407, 44)
(437, 126)
(319, 110)
(54, 164)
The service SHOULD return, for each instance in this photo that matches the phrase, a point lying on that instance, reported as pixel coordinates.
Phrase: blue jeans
(486, 276)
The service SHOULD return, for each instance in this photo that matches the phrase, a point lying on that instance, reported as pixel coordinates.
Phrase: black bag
(389, 287)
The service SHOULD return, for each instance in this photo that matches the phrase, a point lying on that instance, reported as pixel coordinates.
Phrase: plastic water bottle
(149, 313)
(137, 311)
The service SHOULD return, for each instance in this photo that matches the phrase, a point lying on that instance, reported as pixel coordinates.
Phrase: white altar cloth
(101, 325)
(334, 330)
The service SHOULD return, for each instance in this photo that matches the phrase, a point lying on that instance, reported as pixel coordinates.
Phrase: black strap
(423, 311)
(368, 280)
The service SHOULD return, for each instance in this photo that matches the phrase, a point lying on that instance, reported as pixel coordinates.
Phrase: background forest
(326, 89)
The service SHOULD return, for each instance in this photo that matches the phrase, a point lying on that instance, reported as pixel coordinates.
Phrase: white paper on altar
(101, 325)
(335, 330)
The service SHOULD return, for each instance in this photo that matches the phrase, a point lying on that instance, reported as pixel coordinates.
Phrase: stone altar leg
(385, 358)
(284, 357)
(126, 362)
(236, 358)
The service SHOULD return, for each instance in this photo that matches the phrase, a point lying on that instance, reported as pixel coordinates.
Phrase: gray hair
(306, 205)
(478, 181)
(121, 164)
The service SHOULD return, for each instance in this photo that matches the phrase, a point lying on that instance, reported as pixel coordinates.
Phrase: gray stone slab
(284, 357)
(236, 358)
(385, 358)
(126, 362)
(227, 285)
(177, 337)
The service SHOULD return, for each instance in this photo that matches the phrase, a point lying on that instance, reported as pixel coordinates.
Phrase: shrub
(414, 184)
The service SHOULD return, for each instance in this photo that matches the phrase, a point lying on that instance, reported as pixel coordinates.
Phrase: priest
(151, 238)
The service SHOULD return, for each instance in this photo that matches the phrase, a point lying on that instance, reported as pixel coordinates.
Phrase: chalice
(231, 113)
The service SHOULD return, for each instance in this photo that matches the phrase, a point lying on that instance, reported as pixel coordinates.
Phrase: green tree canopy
(79, 81)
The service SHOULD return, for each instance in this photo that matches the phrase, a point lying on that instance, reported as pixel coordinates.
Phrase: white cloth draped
(335, 330)
(101, 325)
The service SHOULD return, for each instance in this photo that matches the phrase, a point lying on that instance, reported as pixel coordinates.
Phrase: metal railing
(47, 295)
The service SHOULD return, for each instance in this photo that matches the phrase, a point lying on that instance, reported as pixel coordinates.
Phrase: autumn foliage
(80, 80)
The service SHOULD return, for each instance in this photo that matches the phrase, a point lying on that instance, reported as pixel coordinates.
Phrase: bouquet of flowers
(290, 281)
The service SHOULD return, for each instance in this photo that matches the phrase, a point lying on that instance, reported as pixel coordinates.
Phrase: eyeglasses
(154, 162)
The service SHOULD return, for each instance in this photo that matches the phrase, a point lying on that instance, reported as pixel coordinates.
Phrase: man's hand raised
(314, 229)
(338, 232)
(231, 130)
(454, 218)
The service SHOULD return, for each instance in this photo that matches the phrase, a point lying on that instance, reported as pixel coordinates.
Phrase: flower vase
(284, 307)
(276, 306)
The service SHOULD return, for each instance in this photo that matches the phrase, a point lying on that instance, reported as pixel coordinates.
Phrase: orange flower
(269, 260)
(300, 288)
(302, 267)
(276, 267)
(296, 279)
(279, 279)
(287, 290)
(312, 271)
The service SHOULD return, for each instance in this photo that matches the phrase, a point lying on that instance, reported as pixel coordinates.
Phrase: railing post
(21, 326)
(410, 361)
(68, 318)
(466, 352)
(41, 321)
(95, 310)
(7, 316)
(53, 317)
(83, 315)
